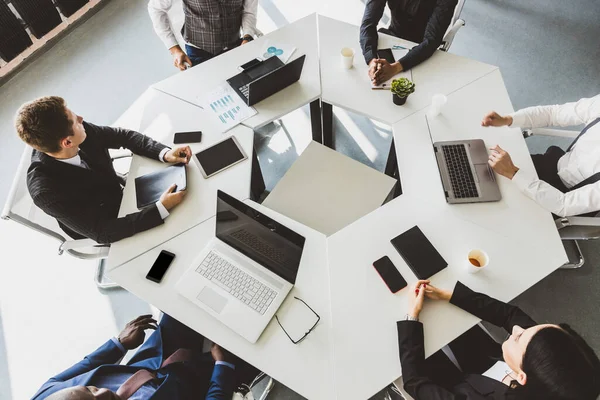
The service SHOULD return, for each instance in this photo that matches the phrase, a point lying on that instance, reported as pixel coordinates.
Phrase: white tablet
(219, 157)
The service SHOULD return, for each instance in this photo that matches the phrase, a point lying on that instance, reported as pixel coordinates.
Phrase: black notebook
(418, 252)
(149, 187)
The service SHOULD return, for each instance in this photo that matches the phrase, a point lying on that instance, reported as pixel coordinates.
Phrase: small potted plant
(401, 88)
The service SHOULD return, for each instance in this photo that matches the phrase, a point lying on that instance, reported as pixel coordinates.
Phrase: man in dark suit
(420, 21)
(169, 365)
(72, 178)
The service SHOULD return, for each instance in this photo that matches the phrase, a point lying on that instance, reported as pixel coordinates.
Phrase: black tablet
(220, 157)
(149, 187)
(418, 252)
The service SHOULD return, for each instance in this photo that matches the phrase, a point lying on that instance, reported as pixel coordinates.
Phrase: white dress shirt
(158, 10)
(581, 162)
(78, 162)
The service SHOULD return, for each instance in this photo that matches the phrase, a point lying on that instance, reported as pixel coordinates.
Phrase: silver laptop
(243, 275)
(466, 175)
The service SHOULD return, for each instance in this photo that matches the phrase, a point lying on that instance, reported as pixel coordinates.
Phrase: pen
(397, 46)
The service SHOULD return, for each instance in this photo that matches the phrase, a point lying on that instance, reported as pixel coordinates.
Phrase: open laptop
(243, 275)
(266, 78)
(466, 175)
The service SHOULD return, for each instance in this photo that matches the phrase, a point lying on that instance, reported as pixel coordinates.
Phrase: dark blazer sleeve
(87, 221)
(108, 353)
(434, 33)
(368, 28)
(488, 309)
(412, 359)
(222, 383)
(116, 138)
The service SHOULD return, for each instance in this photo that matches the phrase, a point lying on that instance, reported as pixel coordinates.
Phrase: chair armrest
(550, 132)
(101, 251)
(116, 154)
(578, 228)
(449, 37)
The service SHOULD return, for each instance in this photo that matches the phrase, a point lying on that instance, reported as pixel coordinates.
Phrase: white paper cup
(477, 257)
(437, 103)
(347, 55)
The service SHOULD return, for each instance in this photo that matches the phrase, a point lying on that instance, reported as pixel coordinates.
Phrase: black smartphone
(390, 275)
(160, 266)
(249, 64)
(386, 54)
(187, 137)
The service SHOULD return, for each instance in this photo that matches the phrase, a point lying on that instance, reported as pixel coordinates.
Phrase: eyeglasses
(307, 332)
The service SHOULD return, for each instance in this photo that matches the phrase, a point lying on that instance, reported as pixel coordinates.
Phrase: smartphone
(160, 266)
(386, 54)
(390, 275)
(187, 137)
(249, 64)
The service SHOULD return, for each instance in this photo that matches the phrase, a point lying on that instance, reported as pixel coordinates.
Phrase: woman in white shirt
(562, 186)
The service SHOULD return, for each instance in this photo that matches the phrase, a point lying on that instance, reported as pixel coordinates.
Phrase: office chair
(455, 24)
(571, 229)
(20, 208)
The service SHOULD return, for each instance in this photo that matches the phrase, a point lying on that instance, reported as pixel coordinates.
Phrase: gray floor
(547, 51)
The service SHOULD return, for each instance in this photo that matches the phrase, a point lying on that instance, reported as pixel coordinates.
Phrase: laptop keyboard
(260, 246)
(459, 169)
(236, 282)
(245, 90)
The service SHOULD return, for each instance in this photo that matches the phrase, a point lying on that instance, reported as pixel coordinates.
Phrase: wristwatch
(410, 318)
(247, 37)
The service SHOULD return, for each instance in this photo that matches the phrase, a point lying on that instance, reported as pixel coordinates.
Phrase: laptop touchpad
(212, 299)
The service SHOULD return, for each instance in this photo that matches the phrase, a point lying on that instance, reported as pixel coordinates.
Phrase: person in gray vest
(210, 28)
(569, 182)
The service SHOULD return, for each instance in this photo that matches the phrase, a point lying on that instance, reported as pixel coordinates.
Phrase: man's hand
(220, 354)
(495, 119)
(383, 70)
(416, 296)
(170, 199)
(178, 155)
(245, 41)
(133, 334)
(434, 293)
(501, 162)
(180, 59)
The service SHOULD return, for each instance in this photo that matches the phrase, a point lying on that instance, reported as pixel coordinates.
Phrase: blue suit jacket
(187, 380)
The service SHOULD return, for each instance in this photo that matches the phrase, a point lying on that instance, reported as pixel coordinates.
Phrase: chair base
(268, 387)
(574, 254)
(102, 282)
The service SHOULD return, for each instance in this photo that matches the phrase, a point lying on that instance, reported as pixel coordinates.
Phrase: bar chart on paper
(226, 107)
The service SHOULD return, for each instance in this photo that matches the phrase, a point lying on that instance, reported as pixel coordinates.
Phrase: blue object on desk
(396, 47)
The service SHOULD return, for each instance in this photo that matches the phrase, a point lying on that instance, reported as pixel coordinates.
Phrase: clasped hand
(419, 291)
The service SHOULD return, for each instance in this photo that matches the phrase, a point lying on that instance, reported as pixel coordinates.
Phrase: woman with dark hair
(549, 362)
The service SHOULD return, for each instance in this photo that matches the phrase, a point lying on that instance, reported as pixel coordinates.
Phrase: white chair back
(20, 208)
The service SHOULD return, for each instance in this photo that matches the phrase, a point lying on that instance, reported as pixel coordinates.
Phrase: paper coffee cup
(477, 260)
(347, 55)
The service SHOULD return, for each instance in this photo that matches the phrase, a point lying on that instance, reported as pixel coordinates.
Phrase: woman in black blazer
(549, 362)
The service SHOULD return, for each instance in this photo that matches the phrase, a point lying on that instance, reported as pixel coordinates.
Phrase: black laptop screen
(257, 236)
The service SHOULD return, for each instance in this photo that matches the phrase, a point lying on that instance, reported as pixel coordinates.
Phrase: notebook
(418, 252)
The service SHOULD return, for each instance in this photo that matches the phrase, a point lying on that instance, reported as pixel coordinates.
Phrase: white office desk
(327, 190)
(518, 235)
(305, 367)
(159, 116)
(351, 89)
(515, 215)
(353, 352)
(302, 34)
